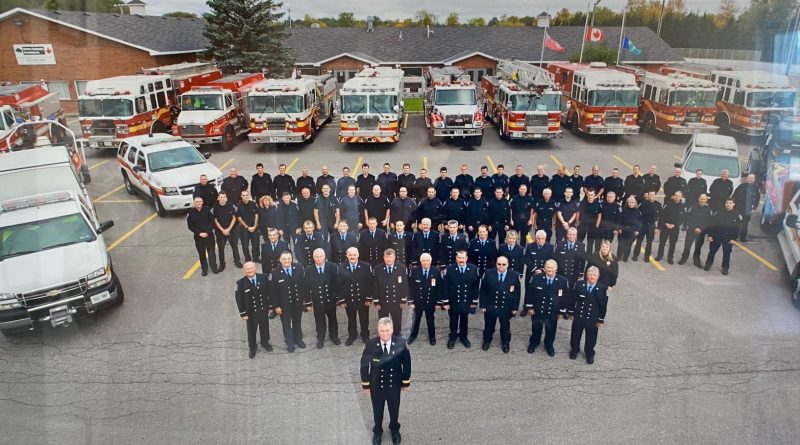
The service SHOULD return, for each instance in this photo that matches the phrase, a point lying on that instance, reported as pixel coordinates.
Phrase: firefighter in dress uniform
(354, 282)
(451, 242)
(570, 255)
(341, 241)
(499, 299)
(536, 255)
(372, 243)
(425, 240)
(400, 241)
(286, 283)
(253, 303)
(320, 288)
(587, 310)
(425, 282)
(460, 297)
(308, 241)
(545, 301)
(391, 288)
(482, 251)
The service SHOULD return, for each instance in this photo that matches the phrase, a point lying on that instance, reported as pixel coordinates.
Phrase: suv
(164, 169)
(711, 153)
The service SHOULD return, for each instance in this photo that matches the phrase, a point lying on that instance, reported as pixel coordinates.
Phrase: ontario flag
(551, 44)
(594, 34)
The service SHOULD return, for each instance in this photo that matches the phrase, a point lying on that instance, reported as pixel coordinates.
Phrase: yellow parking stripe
(131, 232)
(623, 162)
(191, 270)
(425, 163)
(655, 263)
(405, 121)
(677, 157)
(110, 193)
(98, 164)
(758, 258)
(225, 165)
(491, 164)
(291, 166)
(555, 159)
(355, 171)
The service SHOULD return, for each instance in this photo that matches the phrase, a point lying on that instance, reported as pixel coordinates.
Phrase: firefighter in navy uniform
(499, 213)
(425, 240)
(354, 282)
(226, 230)
(201, 223)
(391, 288)
(287, 300)
(521, 207)
(477, 213)
(587, 310)
(544, 210)
(570, 255)
(425, 282)
(271, 251)
(460, 297)
(451, 242)
(385, 371)
(253, 303)
(545, 300)
(342, 240)
(372, 243)
(724, 229)
(513, 251)
(400, 241)
(482, 251)
(306, 242)
(499, 298)
(320, 288)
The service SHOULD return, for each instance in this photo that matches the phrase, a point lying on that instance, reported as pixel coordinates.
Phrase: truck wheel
(87, 177)
(649, 122)
(500, 129)
(128, 186)
(228, 139)
(157, 206)
(330, 114)
(313, 134)
(120, 292)
(576, 124)
(771, 226)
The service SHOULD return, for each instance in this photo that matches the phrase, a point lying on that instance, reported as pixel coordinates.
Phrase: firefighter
(746, 198)
(720, 190)
(539, 182)
(234, 185)
(247, 215)
(519, 178)
(226, 230)
(545, 302)
(723, 232)
(513, 251)
(499, 300)
(614, 184)
(669, 224)
(611, 219)
(482, 251)
(570, 255)
(425, 240)
(341, 241)
(455, 208)
(674, 183)
(499, 213)
(288, 301)
(372, 243)
(652, 182)
(400, 241)
(521, 206)
(261, 184)
(391, 288)
(484, 182)
(253, 303)
(443, 185)
(590, 215)
(364, 182)
(697, 219)
(576, 181)
(287, 217)
(306, 242)
(559, 183)
(271, 251)
(464, 182)
(377, 206)
(451, 242)
(651, 211)
(425, 282)
(587, 310)
(320, 287)
(402, 209)
(326, 211)
(206, 191)
(500, 179)
(459, 297)
(566, 214)
(537, 254)
(430, 207)
(477, 213)
(284, 183)
(544, 209)
(201, 223)
(634, 184)
(354, 283)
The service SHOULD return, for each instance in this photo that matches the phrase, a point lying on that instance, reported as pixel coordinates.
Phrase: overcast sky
(405, 8)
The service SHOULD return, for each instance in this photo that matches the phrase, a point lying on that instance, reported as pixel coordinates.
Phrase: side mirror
(508, 104)
(396, 108)
(791, 221)
(138, 168)
(206, 155)
(678, 165)
(105, 225)
(402, 104)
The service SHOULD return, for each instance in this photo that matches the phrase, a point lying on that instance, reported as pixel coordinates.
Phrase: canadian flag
(594, 34)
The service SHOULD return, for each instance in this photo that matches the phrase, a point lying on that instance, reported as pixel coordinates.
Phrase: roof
(154, 34)
(716, 141)
(446, 44)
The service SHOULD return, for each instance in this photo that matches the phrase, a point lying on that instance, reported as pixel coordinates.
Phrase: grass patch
(413, 105)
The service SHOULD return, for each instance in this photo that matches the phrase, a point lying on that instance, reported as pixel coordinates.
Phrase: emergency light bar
(36, 201)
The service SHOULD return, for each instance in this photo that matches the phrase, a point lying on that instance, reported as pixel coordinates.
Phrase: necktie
(389, 269)
(589, 288)
(273, 247)
(570, 246)
(501, 277)
(425, 274)
(373, 234)
(426, 236)
(342, 237)
(352, 268)
(309, 237)
(385, 349)
(253, 280)
(549, 281)
(320, 270)
(289, 272)
(454, 239)
(461, 269)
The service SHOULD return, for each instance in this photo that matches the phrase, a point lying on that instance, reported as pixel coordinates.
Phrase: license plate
(458, 133)
(101, 144)
(615, 131)
(275, 139)
(99, 298)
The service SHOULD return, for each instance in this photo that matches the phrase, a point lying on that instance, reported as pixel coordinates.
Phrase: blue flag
(628, 44)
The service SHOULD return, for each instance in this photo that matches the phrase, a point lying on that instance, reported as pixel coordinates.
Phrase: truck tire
(128, 186)
(228, 139)
(649, 123)
(87, 177)
(771, 226)
(313, 134)
(330, 114)
(120, 292)
(157, 206)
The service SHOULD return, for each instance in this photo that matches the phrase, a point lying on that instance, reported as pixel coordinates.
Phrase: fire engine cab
(523, 100)
(597, 99)
(372, 106)
(217, 112)
(748, 101)
(452, 108)
(28, 103)
(116, 108)
(290, 110)
(677, 103)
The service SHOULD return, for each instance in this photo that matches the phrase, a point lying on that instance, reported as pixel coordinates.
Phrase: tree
(51, 5)
(452, 19)
(424, 17)
(346, 20)
(181, 14)
(596, 53)
(478, 21)
(247, 35)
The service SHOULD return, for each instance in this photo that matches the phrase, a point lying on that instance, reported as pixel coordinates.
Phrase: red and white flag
(594, 34)
(551, 44)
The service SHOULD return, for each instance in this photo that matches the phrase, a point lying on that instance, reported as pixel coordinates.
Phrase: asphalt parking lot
(685, 356)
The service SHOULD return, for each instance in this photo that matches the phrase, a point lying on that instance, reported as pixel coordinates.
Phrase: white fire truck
(452, 106)
(597, 99)
(216, 113)
(372, 106)
(116, 108)
(677, 103)
(31, 102)
(523, 100)
(290, 110)
(748, 101)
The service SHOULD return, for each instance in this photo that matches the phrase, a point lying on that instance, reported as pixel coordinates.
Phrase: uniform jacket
(200, 221)
(460, 289)
(612, 217)
(698, 217)
(465, 183)
(694, 188)
(443, 187)
(515, 256)
(497, 297)
(571, 262)
(652, 183)
(320, 289)
(547, 301)
(286, 291)
(287, 217)
(391, 289)
(672, 213)
(725, 225)
(482, 255)
(588, 307)
(386, 373)
(354, 286)
(631, 219)
(339, 247)
(342, 184)
(252, 300)
(269, 257)
(370, 248)
(477, 214)
(538, 184)
(536, 256)
(425, 291)
(401, 246)
(673, 184)
(559, 184)
(498, 212)
(304, 246)
(609, 269)
(634, 186)
(455, 209)
(284, 183)
(420, 245)
(486, 184)
(429, 208)
(448, 247)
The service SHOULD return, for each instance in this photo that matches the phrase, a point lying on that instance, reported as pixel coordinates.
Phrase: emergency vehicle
(523, 100)
(28, 102)
(56, 135)
(216, 113)
(372, 106)
(748, 101)
(677, 104)
(452, 106)
(290, 110)
(116, 108)
(597, 99)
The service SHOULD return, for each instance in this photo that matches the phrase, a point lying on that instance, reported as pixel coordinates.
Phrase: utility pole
(661, 17)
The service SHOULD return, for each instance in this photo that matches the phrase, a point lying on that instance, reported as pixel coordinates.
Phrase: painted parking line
(355, 171)
(225, 165)
(292, 164)
(758, 257)
(425, 163)
(626, 164)
(110, 193)
(405, 121)
(98, 164)
(655, 263)
(191, 270)
(491, 164)
(677, 157)
(555, 159)
(131, 232)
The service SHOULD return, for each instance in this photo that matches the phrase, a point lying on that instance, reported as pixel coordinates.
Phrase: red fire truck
(748, 101)
(119, 107)
(677, 103)
(597, 99)
(216, 112)
(523, 100)
(31, 102)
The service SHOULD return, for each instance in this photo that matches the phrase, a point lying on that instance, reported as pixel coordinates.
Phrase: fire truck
(523, 100)
(597, 99)
(48, 133)
(119, 107)
(748, 101)
(290, 110)
(452, 106)
(216, 113)
(29, 103)
(372, 106)
(677, 104)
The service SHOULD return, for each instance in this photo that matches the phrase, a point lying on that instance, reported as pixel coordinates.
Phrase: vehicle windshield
(712, 164)
(693, 98)
(197, 102)
(455, 97)
(275, 104)
(614, 98)
(105, 107)
(382, 104)
(770, 99)
(37, 236)
(174, 158)
(532, 102)
(355, 103)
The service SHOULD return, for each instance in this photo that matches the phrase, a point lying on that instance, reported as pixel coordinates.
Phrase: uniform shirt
(200, 221)
(612, 216)
(340, 243)
(486, 184)
(593, 182)
(498, 296)
(652, 183)
(588, 212)
(477, 213)
(650, 213)
(538, 184)
(377, 207)
(425, 243)
(208, 192)
(455, 209)
(284, 183)
(694, 188)
(536, 256)
(327, 211)
(306, 182)
(407, 181)
(673, 184)
(545, 210)
(559, 184)
(725, 225)
(388, 183)
(567, 209)
(449, 245)
(589, 302)
(698, 217)
(720, 191)
(576, 182)
(515, 255)
(634, 186)
(306, 209)
(631, 219)
(247, 212)
(430, 208)
(287, 217)
(343, 184)
(498, 212)
(520, 210)
(403, 210)
(326, 179)
(482, 253)
(746, 198)
(233, 187)
(616, 185)
(224, 214)
(352, 211)
(364, 185)
(515, 181)
(443, 187)
(465, 183)
(671, 213)
(261, 186)
(421, 187)
(500, 181)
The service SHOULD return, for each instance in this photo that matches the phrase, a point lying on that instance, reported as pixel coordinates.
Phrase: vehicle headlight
(171, 191)
(100, 277)
(754, 119)
(9, 301)
(216, 130)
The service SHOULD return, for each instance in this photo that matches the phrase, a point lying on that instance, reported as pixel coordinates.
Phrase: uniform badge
(433, 282)
(400, 280)
(511, 289)
(560, 292)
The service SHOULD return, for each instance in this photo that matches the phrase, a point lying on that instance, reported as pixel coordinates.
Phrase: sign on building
(35, 54)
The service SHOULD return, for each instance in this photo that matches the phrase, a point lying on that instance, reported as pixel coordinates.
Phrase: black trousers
(743, 227)
(666, 235)
(396, 312)
(692, 238)
(205, 246)
(419, 311)
(230, 239)
(499, 233)
(459, 324)
(490, 319)
(291, 318)
(578, 327)
(647, 235)
(325, 320)
(726, 252)
(251, 239)
(260, 322)
(624, 244)
(522, 231)
(549, 325)
(391, 398)
(360, 311)
(592, 235)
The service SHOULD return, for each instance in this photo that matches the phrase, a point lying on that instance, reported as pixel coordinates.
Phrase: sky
(393, 9)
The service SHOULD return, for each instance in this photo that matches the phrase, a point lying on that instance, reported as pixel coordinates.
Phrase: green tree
(346, 20)
(423, 17)
(452, 19)
(596, 53)
(51, 5)
(181, 14)
(478, 21)
(247, 35)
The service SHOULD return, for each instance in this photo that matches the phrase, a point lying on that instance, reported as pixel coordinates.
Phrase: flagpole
(621, 34)
(544, 37)
(585, 26)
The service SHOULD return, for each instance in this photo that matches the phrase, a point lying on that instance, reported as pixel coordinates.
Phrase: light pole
(593, 8)
(660, 17)
(586, 25)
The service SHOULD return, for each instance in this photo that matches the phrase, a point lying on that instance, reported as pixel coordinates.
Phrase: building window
(80, 87)
(60, 87)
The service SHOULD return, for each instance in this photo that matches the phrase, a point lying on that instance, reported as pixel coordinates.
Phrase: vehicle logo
(53, 293)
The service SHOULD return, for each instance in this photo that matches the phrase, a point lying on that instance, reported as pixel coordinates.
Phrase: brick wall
(344, 63)
(477, 62)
